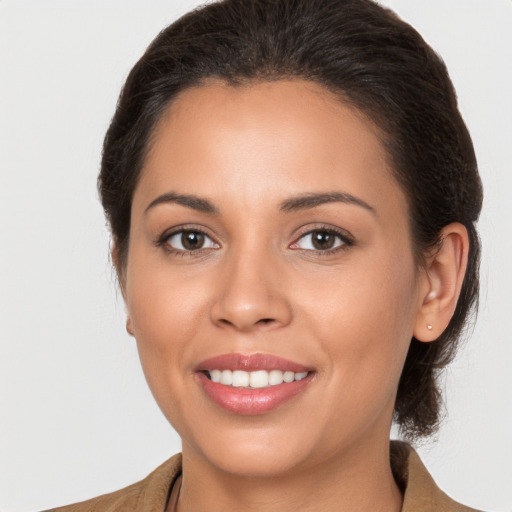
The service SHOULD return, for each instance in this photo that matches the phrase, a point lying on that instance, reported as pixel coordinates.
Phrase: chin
(256, 459)
(264, 447)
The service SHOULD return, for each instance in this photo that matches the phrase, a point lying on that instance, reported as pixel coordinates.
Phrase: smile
(254, 380)
(252, 384)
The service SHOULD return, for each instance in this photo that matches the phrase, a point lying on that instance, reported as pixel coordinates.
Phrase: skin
(259, 286)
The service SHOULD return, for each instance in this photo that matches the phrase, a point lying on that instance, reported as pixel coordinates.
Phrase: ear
(121, 279)
(129, 328)
(442, 280)
(119, 265)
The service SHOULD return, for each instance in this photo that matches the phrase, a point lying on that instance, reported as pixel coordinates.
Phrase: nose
(251, 295)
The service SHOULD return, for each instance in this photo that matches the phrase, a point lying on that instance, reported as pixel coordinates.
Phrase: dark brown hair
(373, 61)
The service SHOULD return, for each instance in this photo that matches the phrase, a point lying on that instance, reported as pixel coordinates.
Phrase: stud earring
(429, 327)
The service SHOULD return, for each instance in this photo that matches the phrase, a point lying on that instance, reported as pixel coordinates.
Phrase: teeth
(215, 375)
(226, 377)
(288, 376)
(256, 379)
(240, 379)
(275, 377)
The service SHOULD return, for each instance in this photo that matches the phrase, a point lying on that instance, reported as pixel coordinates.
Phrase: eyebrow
(188, 200)
(306, 201)
(301, 202)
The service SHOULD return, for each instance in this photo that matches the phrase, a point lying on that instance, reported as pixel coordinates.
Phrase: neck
(361, 481)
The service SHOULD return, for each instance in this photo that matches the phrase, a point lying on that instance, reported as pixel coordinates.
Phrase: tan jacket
(421, 494)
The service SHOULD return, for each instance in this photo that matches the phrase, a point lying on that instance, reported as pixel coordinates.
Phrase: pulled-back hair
(373, 61)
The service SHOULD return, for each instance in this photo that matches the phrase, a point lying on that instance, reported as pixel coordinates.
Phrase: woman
(292, 195)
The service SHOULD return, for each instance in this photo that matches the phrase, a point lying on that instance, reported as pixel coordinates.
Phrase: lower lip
(246, 401)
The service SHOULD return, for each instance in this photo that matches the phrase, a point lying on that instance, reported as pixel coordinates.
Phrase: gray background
(76, 417)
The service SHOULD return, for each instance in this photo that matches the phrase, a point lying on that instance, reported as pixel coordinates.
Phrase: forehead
(265, 140)
(291, 109)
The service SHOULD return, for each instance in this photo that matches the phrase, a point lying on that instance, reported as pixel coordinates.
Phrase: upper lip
(251, 362)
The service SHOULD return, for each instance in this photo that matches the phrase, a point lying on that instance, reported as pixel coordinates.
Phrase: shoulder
(421, 494)
(148, 494)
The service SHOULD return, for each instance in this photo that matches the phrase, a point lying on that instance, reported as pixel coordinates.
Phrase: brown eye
(321, 240)
(190, 240)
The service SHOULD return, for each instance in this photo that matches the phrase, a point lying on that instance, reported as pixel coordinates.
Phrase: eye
(321, 240)
(190, 240)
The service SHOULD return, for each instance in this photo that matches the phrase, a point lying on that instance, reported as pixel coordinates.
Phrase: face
(270, 280)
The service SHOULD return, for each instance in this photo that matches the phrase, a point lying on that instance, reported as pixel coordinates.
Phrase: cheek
(161, 300)
(166, 312)
(364, 319)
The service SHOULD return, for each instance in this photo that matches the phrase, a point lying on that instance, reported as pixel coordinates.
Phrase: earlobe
(129, 328)
(443, 277)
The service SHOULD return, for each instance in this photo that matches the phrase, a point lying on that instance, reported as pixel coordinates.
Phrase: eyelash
(163, 240)
(346, 239)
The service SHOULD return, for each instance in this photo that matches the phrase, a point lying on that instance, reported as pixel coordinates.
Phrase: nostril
(262, 322)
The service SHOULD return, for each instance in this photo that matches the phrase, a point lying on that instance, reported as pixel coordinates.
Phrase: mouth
(253, 380)
(252, 384)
